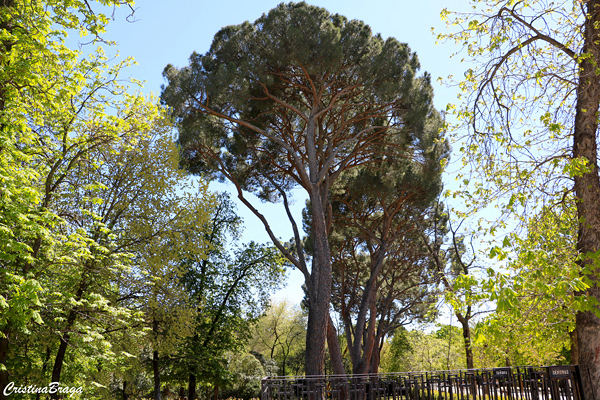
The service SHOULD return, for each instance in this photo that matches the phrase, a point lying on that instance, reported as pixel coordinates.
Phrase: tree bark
(574, 351)
(64, 340)
(59, 360)
(587, 191)
(192, 387)
(464, 322)
(156, 372)
(375, 360)
(320, 288)
(3, 357)
(335, 353)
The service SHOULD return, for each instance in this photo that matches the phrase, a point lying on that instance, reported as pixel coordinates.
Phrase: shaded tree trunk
(587, 191)
(335, 353)
(192, 387)
(574, 351)
(59, 360)
(64, 340)
(375, 360)
(3, 357)
(156, 373)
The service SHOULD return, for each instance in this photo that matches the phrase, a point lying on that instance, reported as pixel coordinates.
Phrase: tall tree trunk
(335, 353)
(319, 296)
(362, 339)
(587, 191)
(375, 360)
(59, 360)
(4, 343)
(156, 372)
(64, 340)
(466, 330)
(192, 387)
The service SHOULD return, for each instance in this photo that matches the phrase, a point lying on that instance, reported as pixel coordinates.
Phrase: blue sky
(168, 32)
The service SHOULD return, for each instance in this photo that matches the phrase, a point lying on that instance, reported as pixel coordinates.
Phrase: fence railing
(519, 383)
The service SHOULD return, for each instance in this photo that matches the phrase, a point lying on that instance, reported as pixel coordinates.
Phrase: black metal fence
(520, 383)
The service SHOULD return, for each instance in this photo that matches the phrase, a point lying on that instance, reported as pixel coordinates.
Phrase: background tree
(382, 275)
(280, 334)
(456, 272)
(129, 202)
(536, 295)
(314, 102)
(532, 111)
(229, 289)
(417, 350)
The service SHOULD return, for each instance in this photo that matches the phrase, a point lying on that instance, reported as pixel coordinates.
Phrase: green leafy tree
(536, 295)
(247, 373)
(127, 199)
(420, 351)
(153, 212)
(46, 95)
(229, 289)
(531, 107)
(291, 101)
(456, 272)
(395, 352)
(279, 334)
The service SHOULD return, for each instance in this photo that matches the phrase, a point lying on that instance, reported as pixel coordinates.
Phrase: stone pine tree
(381, 271)
(532, 104)
(291, 101)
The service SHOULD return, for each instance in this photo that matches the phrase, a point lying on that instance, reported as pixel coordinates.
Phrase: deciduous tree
(229, 289)
(279, 334)
(531, 107)
(537, 293)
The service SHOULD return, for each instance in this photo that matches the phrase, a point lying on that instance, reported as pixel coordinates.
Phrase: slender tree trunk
(64, 340)
(156, 372)
(192, 387)
(587, 191)
(464, 322)
(125, 397)
(366, 341)
(59, 360)
(335, 353)
(320, 289)
(4, 343)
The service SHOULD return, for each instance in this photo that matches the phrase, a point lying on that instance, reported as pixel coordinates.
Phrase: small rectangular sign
(501, 373)
(559, 372)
